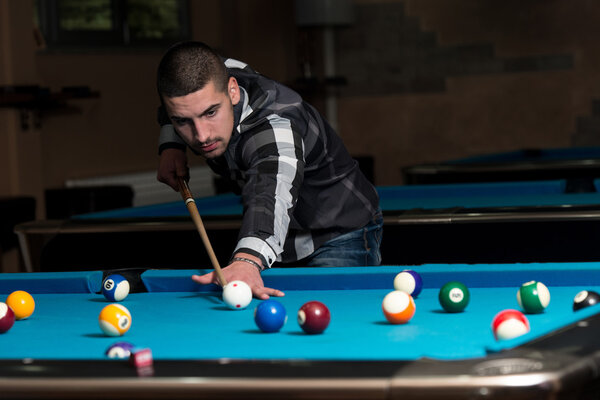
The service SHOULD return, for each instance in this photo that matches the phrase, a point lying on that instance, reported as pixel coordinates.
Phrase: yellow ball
(114, 320)
(22, 304)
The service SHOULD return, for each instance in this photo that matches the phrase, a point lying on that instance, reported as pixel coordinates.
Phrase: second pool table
(579, 165)
(459, 223)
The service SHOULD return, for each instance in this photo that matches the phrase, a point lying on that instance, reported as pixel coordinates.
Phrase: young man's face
(204, 119)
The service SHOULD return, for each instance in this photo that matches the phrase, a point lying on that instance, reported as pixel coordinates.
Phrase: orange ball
(398, 307)
(22, 304)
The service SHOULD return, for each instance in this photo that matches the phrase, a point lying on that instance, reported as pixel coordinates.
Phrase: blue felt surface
(181, 325)
(482, 195)
(225, 204)
(196, 324)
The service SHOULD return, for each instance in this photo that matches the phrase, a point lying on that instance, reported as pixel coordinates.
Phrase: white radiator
(147, 190)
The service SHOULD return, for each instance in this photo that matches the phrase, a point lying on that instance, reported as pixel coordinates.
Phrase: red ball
(313, 317)
(508, 324)
(7, 317)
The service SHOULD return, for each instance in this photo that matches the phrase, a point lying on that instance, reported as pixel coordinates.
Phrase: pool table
(202, 349)
(580, 165)
(502, 222)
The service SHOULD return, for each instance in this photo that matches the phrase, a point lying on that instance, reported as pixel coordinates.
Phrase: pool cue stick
(191, 206)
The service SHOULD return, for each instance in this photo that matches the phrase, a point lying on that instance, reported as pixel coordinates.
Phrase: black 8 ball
(584, 299)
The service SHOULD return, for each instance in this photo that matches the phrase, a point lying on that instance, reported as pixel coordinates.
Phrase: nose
(201, 133)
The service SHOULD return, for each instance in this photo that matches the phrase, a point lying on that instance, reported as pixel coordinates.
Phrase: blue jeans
(352, 249)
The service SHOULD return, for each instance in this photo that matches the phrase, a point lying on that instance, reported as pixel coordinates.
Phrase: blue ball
(115, 287)
(409, 281)
(121, 350)
(270, 316)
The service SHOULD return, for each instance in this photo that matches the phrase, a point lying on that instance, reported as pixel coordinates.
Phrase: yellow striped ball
(114, 320)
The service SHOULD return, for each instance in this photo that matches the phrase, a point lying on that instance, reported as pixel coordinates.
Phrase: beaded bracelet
(249, 261)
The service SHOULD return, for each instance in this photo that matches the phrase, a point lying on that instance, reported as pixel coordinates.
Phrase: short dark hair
(187, 67)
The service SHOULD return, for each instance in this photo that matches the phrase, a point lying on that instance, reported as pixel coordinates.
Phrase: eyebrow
(211, 108)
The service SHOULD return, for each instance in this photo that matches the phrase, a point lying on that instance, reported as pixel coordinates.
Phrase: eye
(180, 121)
(211, 113)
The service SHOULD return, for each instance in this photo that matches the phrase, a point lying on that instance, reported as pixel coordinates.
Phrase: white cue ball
(237, 295)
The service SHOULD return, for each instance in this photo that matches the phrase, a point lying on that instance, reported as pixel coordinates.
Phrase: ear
(233, 90)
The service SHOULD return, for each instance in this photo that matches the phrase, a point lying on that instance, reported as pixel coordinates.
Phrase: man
(304, 197)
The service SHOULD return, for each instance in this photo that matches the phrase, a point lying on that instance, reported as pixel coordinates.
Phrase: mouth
(207, 148)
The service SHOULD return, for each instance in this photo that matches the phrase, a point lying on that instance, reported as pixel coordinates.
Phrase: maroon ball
(7, 317)
(313, 317)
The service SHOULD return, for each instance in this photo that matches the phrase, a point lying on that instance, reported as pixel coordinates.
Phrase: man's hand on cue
(241, 271)
(172, 164)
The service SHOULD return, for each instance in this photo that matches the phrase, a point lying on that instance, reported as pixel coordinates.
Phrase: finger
(183, 173)
(261, 296)
(204, 279)
(276, 293)
(174, 183)
(265, 293)
(167, 180)
(181, 168)
(260, 293)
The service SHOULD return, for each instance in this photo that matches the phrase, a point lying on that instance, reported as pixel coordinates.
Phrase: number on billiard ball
(270, 316)
(584, 299)
(313, 317)
(454, 297)
(115, 287)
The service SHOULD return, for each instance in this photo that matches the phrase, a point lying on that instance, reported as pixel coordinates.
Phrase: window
(96, 23)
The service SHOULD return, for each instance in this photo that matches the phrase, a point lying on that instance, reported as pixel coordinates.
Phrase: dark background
(414, 81)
